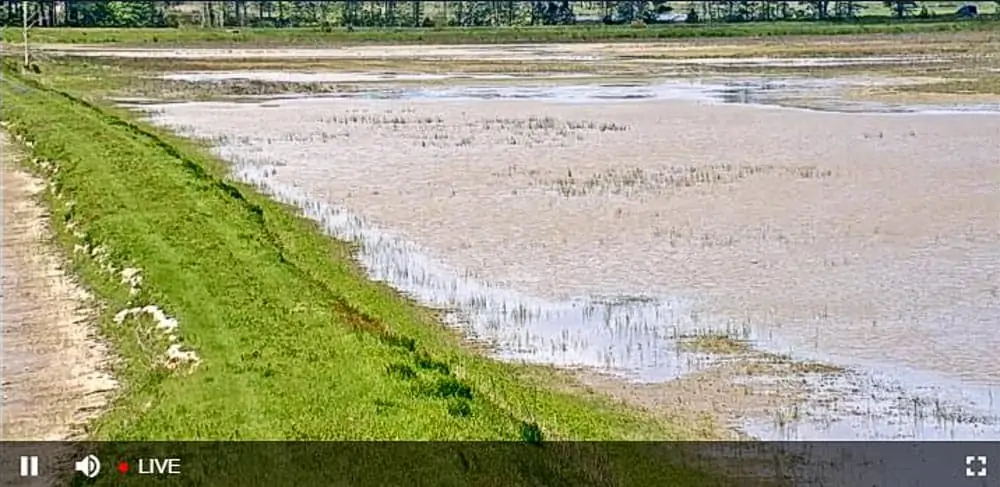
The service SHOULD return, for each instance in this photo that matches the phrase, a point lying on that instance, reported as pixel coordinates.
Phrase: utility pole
(24, 31)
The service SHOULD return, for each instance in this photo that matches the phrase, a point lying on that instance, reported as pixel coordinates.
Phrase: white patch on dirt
(175, 354)
(132, 277)
(99, 253)
(163, 322)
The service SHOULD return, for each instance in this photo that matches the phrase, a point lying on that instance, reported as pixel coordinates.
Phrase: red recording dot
(123, 467)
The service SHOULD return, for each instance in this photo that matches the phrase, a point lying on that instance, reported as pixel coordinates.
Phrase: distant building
(670, 17)
(967, 11)
(589, 19)
(663, 18)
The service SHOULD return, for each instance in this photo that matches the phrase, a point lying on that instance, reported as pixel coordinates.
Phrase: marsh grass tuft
(715, 343)
(637, 181)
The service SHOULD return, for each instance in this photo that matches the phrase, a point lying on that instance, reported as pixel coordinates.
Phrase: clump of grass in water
(714, 343)
(635, 181)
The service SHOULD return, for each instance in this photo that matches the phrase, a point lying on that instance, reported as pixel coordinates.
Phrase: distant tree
(622, 11)
(240, 12)
(564, 14)
(631, 10)
(747, 11)
(389, 14)
(538, 12)
(785, 10)
(115, 14)
(901, 8)
(416, 12)
(392, 13)
(473, 14)
(551, 14)
(350, 15)
(89, 14)
(820, 8)
(692, 17)
(848, 9)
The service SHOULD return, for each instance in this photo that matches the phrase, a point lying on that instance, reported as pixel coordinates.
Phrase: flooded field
(804, 93)
(601, 235)
(801, 265)
(339, 77)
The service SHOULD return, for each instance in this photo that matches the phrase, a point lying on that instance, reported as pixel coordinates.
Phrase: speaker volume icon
(89, 466)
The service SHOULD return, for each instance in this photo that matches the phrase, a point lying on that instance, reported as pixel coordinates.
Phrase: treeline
(415, 13)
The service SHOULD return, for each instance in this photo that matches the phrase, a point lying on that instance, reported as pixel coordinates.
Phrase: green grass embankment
(314, 37)
(295, 342)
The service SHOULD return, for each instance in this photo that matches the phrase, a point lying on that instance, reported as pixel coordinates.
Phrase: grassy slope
(482, 35)
(295, 342)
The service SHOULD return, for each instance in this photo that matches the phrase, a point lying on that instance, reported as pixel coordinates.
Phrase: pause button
(29, 466)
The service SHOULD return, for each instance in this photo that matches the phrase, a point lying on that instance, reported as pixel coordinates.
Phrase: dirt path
(53, 370)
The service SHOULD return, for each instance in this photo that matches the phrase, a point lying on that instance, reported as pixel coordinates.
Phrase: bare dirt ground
(54, 369)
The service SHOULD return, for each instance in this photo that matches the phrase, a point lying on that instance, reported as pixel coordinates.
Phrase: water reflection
(808, 94)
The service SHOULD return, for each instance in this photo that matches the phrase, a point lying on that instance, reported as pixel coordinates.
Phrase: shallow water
(331, 152)
(800, 93)
(493, 53)
(822, 95)
(621, 334)
(787, 62)
(342, 76)
(635, 337)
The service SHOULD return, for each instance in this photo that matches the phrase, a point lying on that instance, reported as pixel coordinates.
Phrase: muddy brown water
(867, 240)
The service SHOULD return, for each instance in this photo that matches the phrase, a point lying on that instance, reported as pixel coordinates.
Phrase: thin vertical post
(24, 30)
